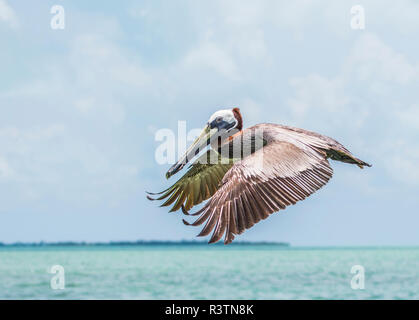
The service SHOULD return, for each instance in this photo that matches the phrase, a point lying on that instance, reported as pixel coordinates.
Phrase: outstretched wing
(198, 184)
(278, 175)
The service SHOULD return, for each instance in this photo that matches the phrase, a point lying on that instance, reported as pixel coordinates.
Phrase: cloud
(55, 161)
(372, 60)
(401, 19)
(63, 136)
(7, 14)
(370, 69)
(365, 94)
(98, 60)
(314, 91)
(209, 56)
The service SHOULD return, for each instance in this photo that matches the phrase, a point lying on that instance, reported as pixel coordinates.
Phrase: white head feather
(226, 115)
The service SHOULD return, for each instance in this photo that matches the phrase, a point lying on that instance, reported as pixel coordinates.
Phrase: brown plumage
(286, 166)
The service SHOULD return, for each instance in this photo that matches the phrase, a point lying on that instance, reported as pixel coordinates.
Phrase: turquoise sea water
(208, 272)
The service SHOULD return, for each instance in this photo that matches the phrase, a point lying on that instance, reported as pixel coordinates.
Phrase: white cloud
(395, 16)
(105, 74)
(372, 67)
(364, 95)
(7, 14)
(56, 161)
(210, 56)
(372, 60)
(317, 93)
(97, 60)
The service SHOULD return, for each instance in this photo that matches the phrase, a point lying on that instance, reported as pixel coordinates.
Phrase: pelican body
(248, 174)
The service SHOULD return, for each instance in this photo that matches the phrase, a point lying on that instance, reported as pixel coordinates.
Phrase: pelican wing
(198, 184)
(278, 175)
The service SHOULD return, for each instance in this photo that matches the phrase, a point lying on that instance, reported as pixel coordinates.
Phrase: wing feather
(250, 192)
(199, 183)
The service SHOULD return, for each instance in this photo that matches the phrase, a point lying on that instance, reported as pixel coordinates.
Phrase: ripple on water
(200, 273)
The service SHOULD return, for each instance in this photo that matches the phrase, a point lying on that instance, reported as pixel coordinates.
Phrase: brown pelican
(287, 165)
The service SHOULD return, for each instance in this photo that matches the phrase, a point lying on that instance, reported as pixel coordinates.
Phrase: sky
(80, 108)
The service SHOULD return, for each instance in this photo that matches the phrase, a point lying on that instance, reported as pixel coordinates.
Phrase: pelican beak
(197, 146)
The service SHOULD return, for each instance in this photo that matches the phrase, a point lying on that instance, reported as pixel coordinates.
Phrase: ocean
(208, 272)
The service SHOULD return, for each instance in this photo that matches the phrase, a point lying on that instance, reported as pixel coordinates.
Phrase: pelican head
(225, 120)
(220, 124)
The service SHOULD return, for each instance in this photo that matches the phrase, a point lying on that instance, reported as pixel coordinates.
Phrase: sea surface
(208, 272)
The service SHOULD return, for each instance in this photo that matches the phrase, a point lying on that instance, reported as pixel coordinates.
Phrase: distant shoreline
(135, 243)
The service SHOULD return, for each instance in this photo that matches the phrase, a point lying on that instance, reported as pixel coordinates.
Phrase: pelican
(242, 188)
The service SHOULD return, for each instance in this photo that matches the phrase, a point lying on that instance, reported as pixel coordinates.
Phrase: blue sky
(79, 109)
